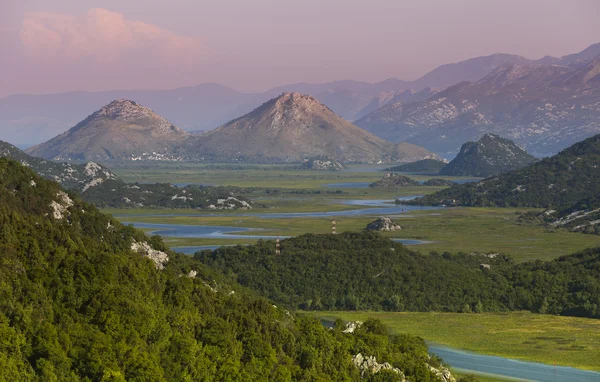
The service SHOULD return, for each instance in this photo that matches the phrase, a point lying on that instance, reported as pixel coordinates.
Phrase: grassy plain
(449, 229)
(570, 341)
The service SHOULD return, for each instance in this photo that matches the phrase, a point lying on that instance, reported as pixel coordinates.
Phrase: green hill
(84, 298)
(490, 155)
(365, 271)
(425, 166)
(558, 182)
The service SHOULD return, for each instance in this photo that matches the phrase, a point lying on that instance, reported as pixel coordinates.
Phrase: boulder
(383, 224)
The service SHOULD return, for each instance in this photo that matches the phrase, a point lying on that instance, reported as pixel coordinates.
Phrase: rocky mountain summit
(490, 155)
(544, 108)
(121, 130)
(383, 224)
(291, 128)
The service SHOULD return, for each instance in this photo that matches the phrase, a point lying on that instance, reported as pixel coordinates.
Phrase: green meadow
(568, 341)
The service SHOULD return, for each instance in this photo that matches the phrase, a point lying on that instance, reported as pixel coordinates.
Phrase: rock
(160, 258)
(322, 164)
(383, 224)
(370, 365)
(352, 326)
(484, 266)
(442, 373)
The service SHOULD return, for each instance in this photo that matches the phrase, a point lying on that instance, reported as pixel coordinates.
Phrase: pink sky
(255, 45)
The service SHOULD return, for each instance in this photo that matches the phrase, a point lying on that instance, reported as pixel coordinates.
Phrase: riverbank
(568, 341)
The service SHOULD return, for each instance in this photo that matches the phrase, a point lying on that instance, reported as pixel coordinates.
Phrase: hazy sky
(251, 45)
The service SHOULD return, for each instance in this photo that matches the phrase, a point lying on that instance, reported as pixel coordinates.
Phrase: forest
(80, 302)
(366, 271)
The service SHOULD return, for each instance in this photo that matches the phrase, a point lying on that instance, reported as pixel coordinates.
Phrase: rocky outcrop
(351, 326)
(158, 257)
(442, 373)
(394, 181)
(369, 365)
(322, 164)
(383, 224)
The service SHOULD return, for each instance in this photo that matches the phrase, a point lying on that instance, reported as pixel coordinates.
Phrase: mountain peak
(490, 155)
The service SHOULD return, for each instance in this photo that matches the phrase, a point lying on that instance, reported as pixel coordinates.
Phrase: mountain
(121, 130)
(543, 108)
(560, 182)
(424, 166)
(294, 127)
(490, 155)
(85, 298)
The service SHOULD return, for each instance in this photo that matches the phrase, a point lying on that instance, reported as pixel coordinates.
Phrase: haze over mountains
(543, 108)
(207, 106)
(289, 128)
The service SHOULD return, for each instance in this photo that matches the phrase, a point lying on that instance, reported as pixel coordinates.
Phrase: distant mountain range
(490, 155)
(543, 108)
(289, 128)
(30, 119)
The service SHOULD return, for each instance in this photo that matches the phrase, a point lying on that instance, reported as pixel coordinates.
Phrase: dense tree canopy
(78, 304)
(365, 271)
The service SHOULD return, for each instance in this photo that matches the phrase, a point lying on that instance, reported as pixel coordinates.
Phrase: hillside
(365, 271)
(74, 177)
(121, 130)
(558, 182)
(84, 298)
(394, 181)
(490, 155)
(291, 128)
(543, 108)
(98, 185)
(424, 166)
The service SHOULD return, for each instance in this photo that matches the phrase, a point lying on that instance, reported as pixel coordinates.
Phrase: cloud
(107, 37)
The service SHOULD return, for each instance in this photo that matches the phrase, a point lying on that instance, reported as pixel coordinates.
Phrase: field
(569, 341)
(450, 229)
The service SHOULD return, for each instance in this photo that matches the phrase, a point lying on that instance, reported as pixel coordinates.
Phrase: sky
(49, 46)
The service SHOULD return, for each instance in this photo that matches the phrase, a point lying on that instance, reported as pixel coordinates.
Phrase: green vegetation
(395, 180)
(570, 341)
(448, 229)
(438, 182)
(558, 182)
(424, 166)
(79, 302)
(365, 271)
(491, 155)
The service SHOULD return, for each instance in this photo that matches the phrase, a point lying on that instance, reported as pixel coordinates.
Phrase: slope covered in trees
(84, 298)
(558, 182)
(490, 155)
(425, 166)
(365, 271)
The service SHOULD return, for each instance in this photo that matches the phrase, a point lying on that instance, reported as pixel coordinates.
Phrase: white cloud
(104, 36)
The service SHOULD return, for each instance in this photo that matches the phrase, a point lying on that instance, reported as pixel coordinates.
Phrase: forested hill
(83, 298)
(425, 166)
(560, 181)
(365, 271)
(98, 185)
(490, 155)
